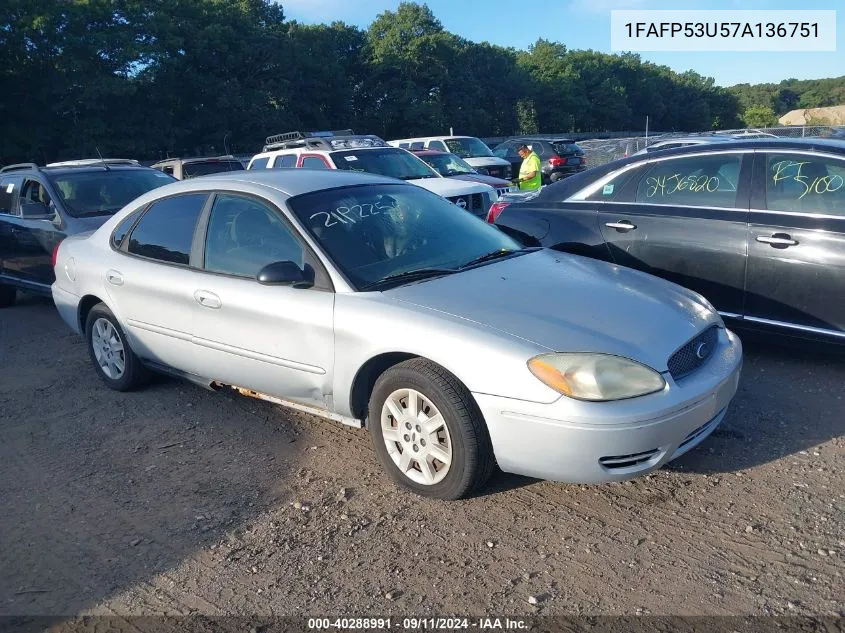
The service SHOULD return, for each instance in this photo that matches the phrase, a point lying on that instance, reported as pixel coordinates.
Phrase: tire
(461, 435)
(103, 331)
(555, 177)
(8, 294)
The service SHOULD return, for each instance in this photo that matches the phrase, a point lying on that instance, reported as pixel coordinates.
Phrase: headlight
(595, 377)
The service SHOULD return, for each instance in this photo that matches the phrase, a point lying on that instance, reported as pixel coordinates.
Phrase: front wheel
(113, 358)
(428, 432)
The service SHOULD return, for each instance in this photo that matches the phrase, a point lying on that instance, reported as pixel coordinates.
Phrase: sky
(585, 24)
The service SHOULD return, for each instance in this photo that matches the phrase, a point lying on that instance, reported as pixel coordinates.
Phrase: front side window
(805, 183)
(468, 147)
(244, 235)
(389, 161)
(698, 181)
(105, 192)
(313, 162)
(375, 231)
(166, 231)
(506, 150)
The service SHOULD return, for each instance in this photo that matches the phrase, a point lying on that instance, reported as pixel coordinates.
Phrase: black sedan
(756, 226)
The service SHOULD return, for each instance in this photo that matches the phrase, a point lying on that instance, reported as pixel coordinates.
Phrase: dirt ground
(178, 500)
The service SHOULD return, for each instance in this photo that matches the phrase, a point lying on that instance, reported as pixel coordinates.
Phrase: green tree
(759, 116)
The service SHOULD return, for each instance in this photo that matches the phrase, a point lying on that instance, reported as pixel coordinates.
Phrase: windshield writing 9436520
(790, 170)
(667, 185)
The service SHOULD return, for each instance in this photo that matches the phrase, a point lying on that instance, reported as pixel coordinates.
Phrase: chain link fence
(601, 151)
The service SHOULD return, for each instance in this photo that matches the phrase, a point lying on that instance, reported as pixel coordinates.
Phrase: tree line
(154, 78)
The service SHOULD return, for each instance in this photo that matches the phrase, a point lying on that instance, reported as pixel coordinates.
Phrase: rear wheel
(8, 295)
(113, 358)
(555, 177)
(428, 432)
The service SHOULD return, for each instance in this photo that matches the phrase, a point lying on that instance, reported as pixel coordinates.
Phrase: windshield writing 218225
(790, 170)
(351, 214)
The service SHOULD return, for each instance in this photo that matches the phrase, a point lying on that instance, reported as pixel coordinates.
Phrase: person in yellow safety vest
(530, 177)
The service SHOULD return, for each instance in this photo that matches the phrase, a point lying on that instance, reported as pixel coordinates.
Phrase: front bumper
(594, 442)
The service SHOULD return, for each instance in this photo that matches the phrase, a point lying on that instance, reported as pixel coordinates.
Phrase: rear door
(10, 187)
(151, 284)
(684, 219)
(796, 256)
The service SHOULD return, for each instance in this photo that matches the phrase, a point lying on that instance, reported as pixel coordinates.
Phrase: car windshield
(192, 170)
(103, 192)
(448, 164)
(373, 232)
(468, 147)
(387, 161)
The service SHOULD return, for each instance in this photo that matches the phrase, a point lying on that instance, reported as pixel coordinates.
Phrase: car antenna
(105, 164)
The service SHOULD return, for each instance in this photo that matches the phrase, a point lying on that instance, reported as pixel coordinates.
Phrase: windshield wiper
(502, 252)
(409, 275)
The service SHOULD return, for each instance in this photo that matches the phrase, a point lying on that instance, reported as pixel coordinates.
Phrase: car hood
(568, 303)
(448, 187)
(486, 161)
(498, 183)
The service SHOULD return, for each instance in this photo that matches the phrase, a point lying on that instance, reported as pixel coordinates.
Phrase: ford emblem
(702, 350)
(461, 203)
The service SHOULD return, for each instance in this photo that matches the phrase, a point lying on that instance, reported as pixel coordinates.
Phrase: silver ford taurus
(376, 303)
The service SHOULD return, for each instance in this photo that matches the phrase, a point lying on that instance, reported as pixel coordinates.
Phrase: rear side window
(123, 228)
(288, 161)
(566, 148)
(192, 170)
(697, 181)
(417, 145)
(438, 145)
(805, 184)
(260, 163)
(166, 231)
(9, 189)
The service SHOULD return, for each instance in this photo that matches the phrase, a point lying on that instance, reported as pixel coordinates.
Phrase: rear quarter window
(259, 163)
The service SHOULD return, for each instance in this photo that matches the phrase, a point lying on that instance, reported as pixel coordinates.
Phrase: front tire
(113, 358)
(8, 294)
(428, 432)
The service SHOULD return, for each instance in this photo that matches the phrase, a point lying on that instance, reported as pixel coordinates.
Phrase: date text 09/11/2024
(411, 623)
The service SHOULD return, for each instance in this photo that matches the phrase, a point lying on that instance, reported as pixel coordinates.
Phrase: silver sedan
(376, 303)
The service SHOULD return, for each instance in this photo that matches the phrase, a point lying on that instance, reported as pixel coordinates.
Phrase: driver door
(277, 340)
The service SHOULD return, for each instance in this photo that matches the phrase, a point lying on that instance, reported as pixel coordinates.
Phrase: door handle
(778, 239)
(207, 299)
(114, 278)
(623, 226)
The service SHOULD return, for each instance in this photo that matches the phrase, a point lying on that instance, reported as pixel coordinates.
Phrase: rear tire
(8, 294)
(114, 361)
(555, 177)
(428, 432)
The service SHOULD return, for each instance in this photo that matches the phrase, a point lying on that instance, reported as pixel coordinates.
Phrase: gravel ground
(177, 500)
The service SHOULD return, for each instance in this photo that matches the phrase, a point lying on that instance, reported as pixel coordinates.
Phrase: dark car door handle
(623, 226)
(778, 239)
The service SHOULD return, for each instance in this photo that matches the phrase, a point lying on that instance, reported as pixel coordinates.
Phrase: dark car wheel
(428, 432)
(556, 176)
(8, 295)
(113, 358)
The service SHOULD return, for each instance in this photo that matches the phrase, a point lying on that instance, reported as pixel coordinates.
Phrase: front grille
(612, 462)
(475, 203)
(694, 354)
(505, 190)
(499, 171)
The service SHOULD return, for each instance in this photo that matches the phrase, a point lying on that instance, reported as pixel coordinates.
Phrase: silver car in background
(377, 303)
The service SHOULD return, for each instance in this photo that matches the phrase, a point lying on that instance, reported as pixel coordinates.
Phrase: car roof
(293, 182)
(73, 169)
(198, 159)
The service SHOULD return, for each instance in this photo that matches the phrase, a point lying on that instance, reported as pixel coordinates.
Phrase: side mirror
(35, 211)
(286, 273)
